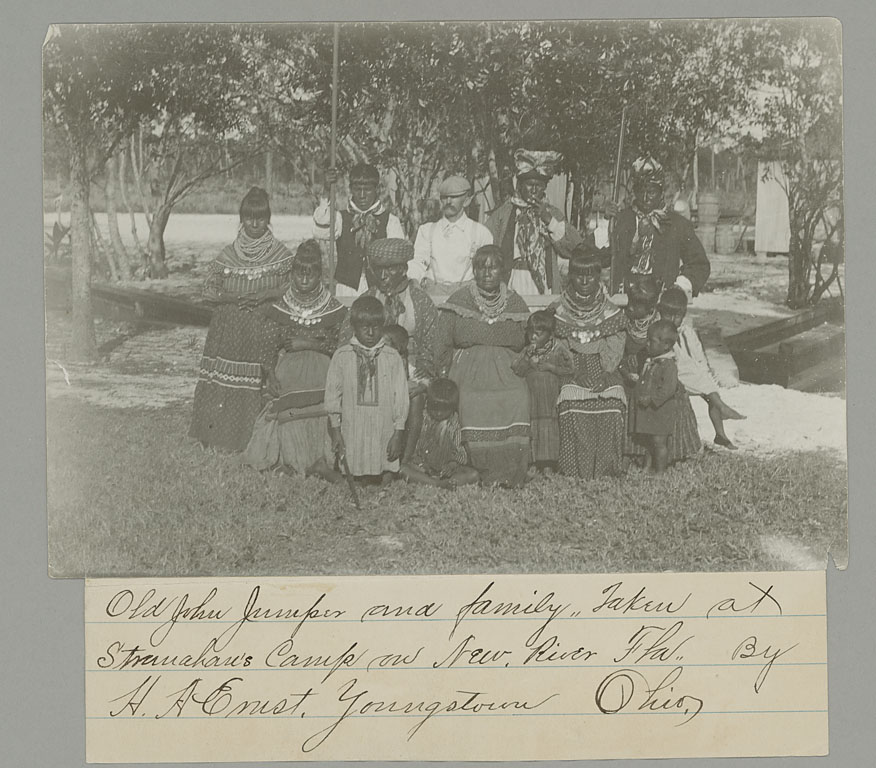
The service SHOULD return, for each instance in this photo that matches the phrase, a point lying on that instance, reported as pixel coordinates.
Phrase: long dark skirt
(592, 434)
(241, 345)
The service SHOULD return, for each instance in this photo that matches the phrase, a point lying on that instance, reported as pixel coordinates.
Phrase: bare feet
(725, 442)
(726, 411)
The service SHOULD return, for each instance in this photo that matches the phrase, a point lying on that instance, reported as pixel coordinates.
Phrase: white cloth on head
(443, 249)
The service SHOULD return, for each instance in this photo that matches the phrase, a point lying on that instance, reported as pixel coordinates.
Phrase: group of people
(478, 388)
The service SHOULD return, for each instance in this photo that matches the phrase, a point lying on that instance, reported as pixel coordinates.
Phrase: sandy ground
(158, 368)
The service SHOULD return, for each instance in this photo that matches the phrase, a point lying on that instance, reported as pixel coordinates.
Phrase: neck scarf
(366, 372)
(530, 240)
(647, 225)
(393, 303)
(365, 223)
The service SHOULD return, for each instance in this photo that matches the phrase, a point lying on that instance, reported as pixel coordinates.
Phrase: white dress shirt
(443, 249)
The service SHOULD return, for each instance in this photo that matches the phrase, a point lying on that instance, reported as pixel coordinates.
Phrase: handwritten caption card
(456, 668)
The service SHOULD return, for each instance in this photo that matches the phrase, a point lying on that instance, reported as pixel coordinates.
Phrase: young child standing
(641, 313)
(542, 362)
(437, 457)
(397, 337)
(366, 396)
(693, 366)
(655, 406)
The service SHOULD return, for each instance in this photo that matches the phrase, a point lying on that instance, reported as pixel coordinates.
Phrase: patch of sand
(779, 420)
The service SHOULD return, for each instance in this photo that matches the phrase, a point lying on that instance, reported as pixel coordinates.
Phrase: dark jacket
(676, 250)
(351, 258)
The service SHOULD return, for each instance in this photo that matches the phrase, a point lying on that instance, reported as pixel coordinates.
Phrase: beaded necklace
(306, 310)
(585, 315)
(491, 308)
(638, 329)
(253, 250)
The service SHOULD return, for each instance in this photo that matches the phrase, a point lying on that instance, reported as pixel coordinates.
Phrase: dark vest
(351, 258)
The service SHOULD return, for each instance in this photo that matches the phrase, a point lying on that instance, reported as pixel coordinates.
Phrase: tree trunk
(156, 267)
(269, 172)
(123, 184)
(83, 343)
(112, 215)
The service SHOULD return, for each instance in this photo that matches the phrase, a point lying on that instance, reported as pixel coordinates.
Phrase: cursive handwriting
(121, 656)
(221, 701)
(637, 602)
(655, 643)
(748, 649)
(729, 604)
(467, 702)
(483, 606)
(468, 653)
(282, 657)
(623, 687)
(147, 607)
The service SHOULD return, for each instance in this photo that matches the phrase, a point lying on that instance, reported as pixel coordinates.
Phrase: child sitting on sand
(438, 457)
(693, 365)
(366, 396)
(542, 362)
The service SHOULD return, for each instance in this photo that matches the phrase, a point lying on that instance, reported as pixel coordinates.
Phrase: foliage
(801, 117)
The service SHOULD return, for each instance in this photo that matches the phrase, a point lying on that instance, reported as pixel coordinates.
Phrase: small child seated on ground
(655, 406)
(438, 457)
(693, 365)
(542, 362)
(366, 396)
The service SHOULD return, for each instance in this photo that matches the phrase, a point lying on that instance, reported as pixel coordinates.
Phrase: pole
(333, 155)
(617, 268)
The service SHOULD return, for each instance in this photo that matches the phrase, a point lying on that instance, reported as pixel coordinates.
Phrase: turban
(390, 250)
(534, 163)
(453, 186)
(646, 170)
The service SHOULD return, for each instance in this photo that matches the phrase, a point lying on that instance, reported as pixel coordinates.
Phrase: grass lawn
(129, 494)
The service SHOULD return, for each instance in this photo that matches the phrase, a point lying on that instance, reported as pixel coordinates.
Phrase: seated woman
(592, 404)
(482, 327)
(292, 431)
(247, 276)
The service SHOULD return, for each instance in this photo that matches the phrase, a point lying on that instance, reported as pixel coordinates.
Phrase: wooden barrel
(725, 239)
(706, 234)
(708, 208)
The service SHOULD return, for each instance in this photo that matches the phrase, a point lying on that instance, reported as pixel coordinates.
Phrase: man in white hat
(443, 249)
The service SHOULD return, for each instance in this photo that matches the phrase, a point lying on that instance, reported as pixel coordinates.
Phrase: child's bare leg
(464, 476)
(726, 411)
(416, 475)
(659, 453)
(716, 416)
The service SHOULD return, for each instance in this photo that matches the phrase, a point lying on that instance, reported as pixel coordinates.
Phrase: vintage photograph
(433, 298)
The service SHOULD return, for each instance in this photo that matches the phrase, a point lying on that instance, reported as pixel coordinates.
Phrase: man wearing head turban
(529, 231)
(443, 249)
(654, 240)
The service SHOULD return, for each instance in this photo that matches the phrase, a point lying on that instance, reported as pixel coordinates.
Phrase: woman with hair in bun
(249, 274)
